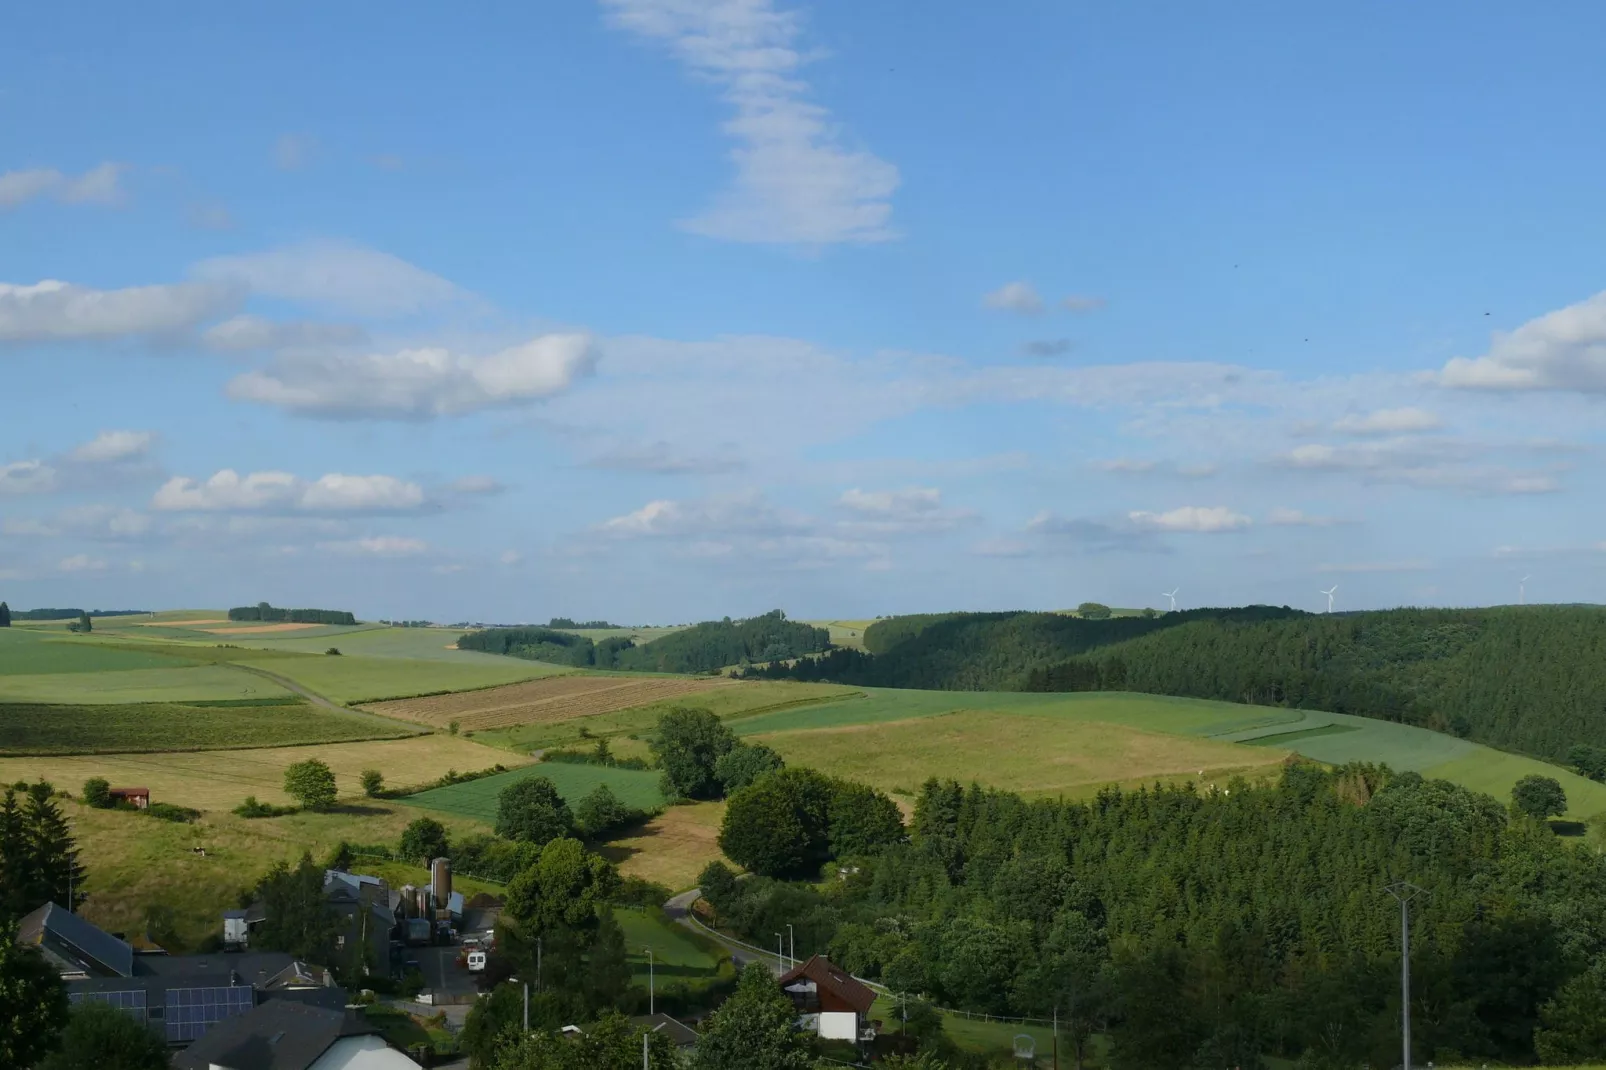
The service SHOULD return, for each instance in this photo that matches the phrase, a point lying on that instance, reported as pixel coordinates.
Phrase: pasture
(672, 848)
(186, 682)
(478, 798)
(29, 652)
(555, 698)
(212, 781)
(350, 680)
(36, 728)
(847, 633)
(1032, 755)
(734, 699)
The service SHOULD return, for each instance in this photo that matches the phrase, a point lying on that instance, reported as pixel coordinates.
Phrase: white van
(476, 961)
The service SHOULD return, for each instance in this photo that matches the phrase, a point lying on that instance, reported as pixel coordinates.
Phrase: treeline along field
(273, 615)
(1530, 679)
(704, 647)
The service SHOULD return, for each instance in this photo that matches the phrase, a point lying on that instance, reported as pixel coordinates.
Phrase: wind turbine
(1171, 594)
(1329, 594)
(1522, 590)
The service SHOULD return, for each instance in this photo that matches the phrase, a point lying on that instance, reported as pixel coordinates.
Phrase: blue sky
(658, 310)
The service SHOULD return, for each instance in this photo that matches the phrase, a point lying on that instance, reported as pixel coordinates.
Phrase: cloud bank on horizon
(752, 303)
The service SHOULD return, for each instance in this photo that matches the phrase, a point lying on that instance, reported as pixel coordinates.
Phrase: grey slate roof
(278, 1035)
(72, 942)
(682, 1034)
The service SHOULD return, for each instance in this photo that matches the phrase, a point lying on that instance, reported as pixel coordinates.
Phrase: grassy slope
(1032, 755)
(672, 848)
(349, 679)
(1401, 746)
(478, 798)
(105, 729)
(214, 781)
(181, 683)
(27, 651)
(677, 955)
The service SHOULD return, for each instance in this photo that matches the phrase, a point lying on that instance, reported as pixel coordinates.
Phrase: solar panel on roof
(192, 1011)
(132, 1001)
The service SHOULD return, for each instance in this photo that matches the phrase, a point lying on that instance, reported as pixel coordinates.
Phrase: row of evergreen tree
(38, 857)
(274, 615)
(1203, 930)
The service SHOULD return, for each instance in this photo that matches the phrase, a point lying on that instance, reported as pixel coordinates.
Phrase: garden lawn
(478, 798)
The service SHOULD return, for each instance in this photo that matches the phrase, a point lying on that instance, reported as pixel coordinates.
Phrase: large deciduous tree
(300, 919)
(1539, 796)
(422, 840)
(33, 1002)
(780, 826)
(532, 811)
(312, 783)
(689, 745)
(752, 1030)
(99, 1036)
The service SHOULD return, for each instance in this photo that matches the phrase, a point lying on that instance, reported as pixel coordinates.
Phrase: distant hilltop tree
(270, 615)
(1093, 611)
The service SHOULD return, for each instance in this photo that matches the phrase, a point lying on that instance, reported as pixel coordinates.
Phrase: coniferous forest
(1525, 678)
(1209, 930)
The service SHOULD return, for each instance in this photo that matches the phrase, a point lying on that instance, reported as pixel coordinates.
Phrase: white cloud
(660, 458)
(1019, 297)
(335, 275)
(448, 569)
(1402, 421)
(246, 332)
(795, 181)
(379, 546)
(1197, 518)
(291, 152)
(1561, 350)
(1295, 518)
(111, 446)
(81, 563)
(1426, 464)
(510, 557)
(1047, 347)
(1375, 566)
(58, 310)
(475, 485)
(102, 522)
(889, 512)
(419, 383)
(228, 491)
(27, 477)
(99, 185)
(1081, 303)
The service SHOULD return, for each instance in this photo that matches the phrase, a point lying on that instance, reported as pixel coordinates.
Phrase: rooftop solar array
(192, 1011)
(132, 1001)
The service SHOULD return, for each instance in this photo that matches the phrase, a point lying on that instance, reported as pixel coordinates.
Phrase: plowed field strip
(553, 699)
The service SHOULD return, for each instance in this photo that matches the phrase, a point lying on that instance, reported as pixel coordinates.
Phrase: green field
(29, 652)
(186, 684)
(30, 728)
(477, 798)
(677, 954)
(349, 679)
(1325, 737)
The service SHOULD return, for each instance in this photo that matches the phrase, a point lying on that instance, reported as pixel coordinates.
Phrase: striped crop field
(558, 698)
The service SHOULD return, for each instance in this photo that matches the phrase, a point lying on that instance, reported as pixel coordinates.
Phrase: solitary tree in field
(5, 615)
(1539, 796)
(312, 783)
(97, 793)
(373, 782)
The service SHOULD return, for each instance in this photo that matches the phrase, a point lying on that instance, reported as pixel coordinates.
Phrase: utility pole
(644, 1065)
(526, 985)
(1056, 1036)
(652, 1007)
(1404, 892)
(780, 952)
(791, 946)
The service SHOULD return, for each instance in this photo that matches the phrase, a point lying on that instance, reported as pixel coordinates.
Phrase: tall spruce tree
(53, 872)
(5, 615)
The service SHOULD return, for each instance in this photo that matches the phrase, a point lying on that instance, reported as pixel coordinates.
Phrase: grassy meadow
(477, 798)
(1032, 755)
(212, 781)
(34, 728)
(672, 848)
(183, 683)
(677, 954)
(352, 679)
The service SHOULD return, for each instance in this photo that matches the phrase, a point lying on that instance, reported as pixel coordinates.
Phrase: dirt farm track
(553, 698)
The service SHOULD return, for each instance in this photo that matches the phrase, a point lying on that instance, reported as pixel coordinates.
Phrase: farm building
(829, 999)
(138, 798)
(178, 996)
(289, 1036)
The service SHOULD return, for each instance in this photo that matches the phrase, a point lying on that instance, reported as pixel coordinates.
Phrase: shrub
(169, 812)
(97, 793)
(333, 651)
(252, 808)
(373, 782)
(452, 728)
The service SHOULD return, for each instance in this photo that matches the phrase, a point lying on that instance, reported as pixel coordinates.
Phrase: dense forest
(705, 647)
(1209, 930)
(271, 615)
(1529, 678)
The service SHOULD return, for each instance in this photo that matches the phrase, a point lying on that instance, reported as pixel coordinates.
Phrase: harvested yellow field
(221, 780)
(673, 847)
(553, 698)
(260, 629)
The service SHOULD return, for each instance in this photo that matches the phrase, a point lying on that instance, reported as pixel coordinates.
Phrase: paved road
(679, 909)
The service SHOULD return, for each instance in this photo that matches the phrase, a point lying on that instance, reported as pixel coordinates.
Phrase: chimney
(440, 880)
